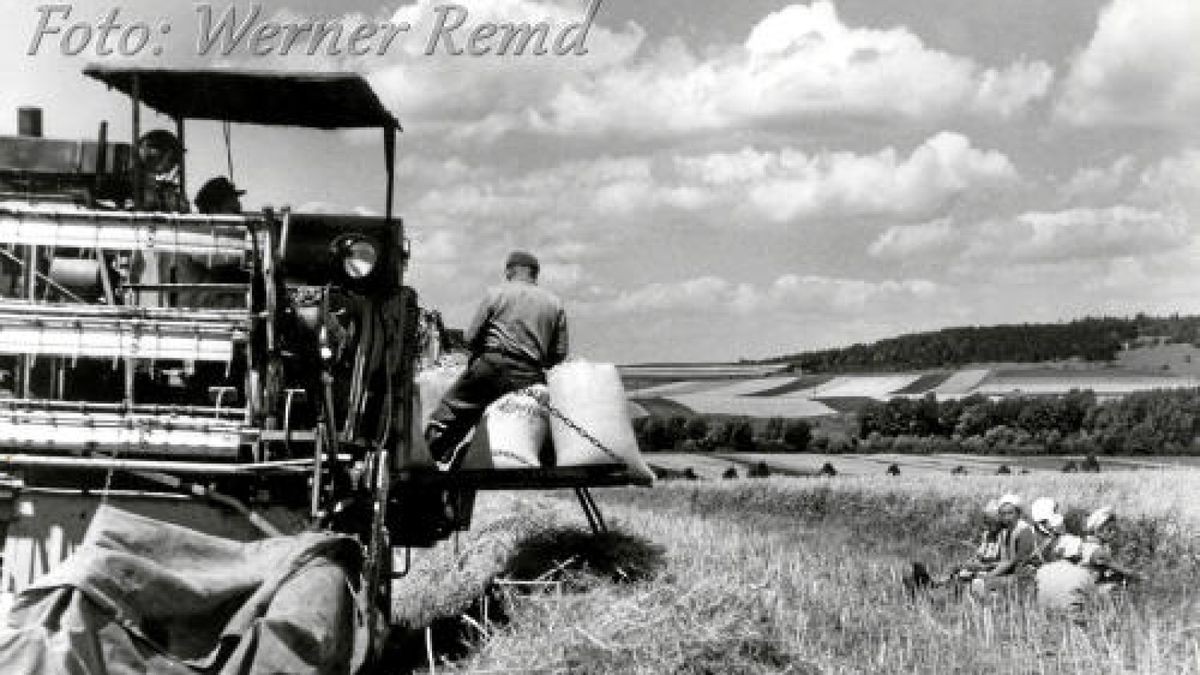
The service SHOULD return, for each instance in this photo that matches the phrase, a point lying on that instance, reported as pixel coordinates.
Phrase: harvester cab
(192, 366)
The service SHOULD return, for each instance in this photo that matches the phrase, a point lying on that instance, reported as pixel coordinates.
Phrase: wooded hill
(1091, 338)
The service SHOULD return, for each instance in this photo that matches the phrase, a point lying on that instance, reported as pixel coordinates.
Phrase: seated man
(518, 332)
(218, 196)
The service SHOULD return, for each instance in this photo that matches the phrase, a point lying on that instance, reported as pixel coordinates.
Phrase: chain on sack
(562, 417)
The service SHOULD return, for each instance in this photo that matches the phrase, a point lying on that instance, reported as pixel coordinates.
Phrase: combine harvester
(209, 447)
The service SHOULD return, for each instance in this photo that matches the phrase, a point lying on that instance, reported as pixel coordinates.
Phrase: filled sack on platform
(594, 427)
(514, 432)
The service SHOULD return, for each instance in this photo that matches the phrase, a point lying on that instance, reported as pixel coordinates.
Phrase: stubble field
(795, 575)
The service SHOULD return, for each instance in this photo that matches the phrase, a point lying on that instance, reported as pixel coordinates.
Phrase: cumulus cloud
(902, 242)
(796, 186)
(790, 293)
(796, 62)
(758, 189)
(1104, 183)
(1047, 237)
(1037, 239)
(800, 62)
(497, 93)
(1173, 183)
(1139, 69)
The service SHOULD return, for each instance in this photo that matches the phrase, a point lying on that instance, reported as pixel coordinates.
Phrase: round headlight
(359, 257)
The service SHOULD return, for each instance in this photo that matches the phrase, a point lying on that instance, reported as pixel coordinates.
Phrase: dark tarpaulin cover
(144, 596)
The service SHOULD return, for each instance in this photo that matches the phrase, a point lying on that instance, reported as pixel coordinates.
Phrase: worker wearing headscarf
(1017, 546)
(1098, 551)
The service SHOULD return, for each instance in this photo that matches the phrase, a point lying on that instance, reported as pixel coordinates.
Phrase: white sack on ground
(591, 396)
(1063, 585)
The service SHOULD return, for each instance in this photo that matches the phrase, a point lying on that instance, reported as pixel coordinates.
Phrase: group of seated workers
(1016, 550)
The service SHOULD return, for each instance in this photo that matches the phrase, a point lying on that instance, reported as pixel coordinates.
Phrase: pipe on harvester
(115, 464)
(197, 490)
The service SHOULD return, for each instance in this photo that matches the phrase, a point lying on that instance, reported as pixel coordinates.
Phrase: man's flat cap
(521, 259)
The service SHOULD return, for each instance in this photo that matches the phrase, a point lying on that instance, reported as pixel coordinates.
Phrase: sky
(713, 180)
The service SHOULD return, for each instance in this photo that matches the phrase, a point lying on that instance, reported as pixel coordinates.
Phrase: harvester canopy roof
(316, 100)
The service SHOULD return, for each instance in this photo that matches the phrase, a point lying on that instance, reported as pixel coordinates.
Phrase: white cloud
(1048, 237)
(844, 184)
(1139, 69)
(799, 61)
(484, 97)
(753, 188)
(1173, 183)
(1092, 184)
(901, 242)
(789, 293)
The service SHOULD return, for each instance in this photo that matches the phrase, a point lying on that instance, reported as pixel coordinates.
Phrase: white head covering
(1009, 499)
(991, 509)
(1099, 517)
(1041, 509)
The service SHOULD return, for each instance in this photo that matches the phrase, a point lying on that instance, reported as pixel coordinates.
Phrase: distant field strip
(1056, 462)
(962, 382)
(923, 384)
(684, 387)
(1123, 384)
(706, 466)
(661, 407)
(753, 406)
(810, 463)
(815, 395)
(798, 384)
(847, 404)
(872, 464)
(747, 387)
(867, 386)
(637, 410)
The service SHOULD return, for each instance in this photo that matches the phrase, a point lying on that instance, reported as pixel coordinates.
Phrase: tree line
(1162, 422)
(738, 434)
(1090, 338)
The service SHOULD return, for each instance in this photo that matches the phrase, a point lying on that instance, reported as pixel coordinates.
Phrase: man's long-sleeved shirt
(521, 320)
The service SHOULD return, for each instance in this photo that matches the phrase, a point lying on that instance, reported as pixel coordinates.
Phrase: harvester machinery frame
(187, 364)
(260, 362)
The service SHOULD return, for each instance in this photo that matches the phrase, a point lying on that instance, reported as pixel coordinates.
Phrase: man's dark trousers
(487, 378)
